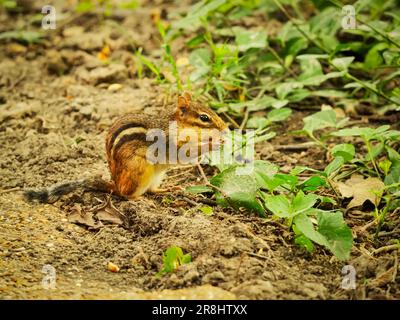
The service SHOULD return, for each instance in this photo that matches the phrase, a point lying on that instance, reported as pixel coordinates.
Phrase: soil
(56, 104)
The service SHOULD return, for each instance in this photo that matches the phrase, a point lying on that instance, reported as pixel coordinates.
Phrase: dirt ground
(56, 104)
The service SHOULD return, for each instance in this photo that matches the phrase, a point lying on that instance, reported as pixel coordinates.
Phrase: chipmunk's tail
(53, 193)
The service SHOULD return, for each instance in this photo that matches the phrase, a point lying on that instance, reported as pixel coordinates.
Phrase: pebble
(112, 267)
(114, 87)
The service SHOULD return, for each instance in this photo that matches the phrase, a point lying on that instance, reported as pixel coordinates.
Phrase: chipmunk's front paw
(158, 190)
(165, 190)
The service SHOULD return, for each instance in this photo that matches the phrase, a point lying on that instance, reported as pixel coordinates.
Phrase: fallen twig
(10, 190)
(387, 248)
(299, 146)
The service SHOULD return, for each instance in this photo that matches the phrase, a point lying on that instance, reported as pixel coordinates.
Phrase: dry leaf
(83, 218)
(108, 213)
(361, 190)
(104, 54)
(383, 278)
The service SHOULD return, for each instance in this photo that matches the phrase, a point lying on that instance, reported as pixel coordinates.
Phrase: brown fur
(129, 169)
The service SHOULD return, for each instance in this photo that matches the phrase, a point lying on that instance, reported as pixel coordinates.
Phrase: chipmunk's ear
(184, 101)
(188, 96)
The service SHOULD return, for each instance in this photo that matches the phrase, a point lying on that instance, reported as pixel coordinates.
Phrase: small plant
(286, 197)
(173, 257)
(8, 4)
(257, 76)
(106, 6)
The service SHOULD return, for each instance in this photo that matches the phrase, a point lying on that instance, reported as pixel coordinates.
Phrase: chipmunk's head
(195, 117)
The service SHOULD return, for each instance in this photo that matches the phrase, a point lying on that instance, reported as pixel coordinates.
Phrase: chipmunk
(127, 146)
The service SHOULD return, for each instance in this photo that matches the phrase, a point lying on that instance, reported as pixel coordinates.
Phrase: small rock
(86, 110)
(73, 31)
(228, 250)
(55, 62)
(108, 74)
(121, 239)
(255, 289)
(175, 281)
(112, 267)
(75, 37)
(214, 277)
(15, 49)
(191, 276)
(115, 87)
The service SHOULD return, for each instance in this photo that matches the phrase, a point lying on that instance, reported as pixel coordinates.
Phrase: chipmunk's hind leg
(135, 178)
(159, 174)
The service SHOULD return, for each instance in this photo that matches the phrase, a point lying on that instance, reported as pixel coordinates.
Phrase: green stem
(369, 88)
(367, 143)
(317, 141)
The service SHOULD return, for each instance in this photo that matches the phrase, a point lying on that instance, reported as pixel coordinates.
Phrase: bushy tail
(53, 193)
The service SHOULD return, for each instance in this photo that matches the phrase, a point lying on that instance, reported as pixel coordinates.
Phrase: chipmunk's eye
(204, 118)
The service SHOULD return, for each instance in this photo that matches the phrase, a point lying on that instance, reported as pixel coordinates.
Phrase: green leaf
(332, 232)
(368, 134)
(385, 165)
(200, 59)
(288, 179)
(285, 88)
(279, 114)
(23, 36)
(310, 68)
(334, 165)
(316, 80)
(279, 205)
(264, 137)
(392, 154)
(394, 175)
(199, 189)
(207, 210)
(173, 257)
(241, 190)
(265, 175)
(258, 104)
(129, 5)
(84, 6)
(269, 183)
(342, 63)
(336, 232)
(304, 242)
(345, 150)
(306, 227)
(302, 202)
(197, 12)
(246, 39)
(313, 183)
(187, 258)
(374, 57)
(320, 120)
(327, 93)
(258, 122)
(195, 41)
(8, 4)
